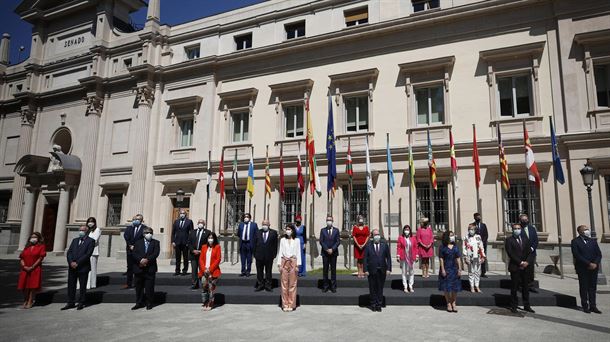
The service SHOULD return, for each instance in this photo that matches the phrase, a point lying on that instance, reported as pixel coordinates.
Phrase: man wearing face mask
(481, 230)
(197, 238)
(79, 265)
(519, 251)
(587, 257)
(145, 254)
(377, 265)
(181, 229)
(329, 241)
(247, 239)
(133, 233)
(265, 250)
(531, 234)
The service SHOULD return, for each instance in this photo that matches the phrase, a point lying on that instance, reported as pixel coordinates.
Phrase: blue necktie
(146, 247)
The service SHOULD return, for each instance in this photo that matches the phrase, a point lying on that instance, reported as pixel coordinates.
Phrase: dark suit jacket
(482, 231)
(533, 237)
(81, 254)
(517, 254)
(193, 244)
(330, 241)
(265, 251)
(374, 261)
(152, 254)
(130, 239)
(585, 253)
(180, 236)
(253, 230)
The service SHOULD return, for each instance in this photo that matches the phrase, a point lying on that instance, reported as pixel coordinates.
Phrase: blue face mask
(517, 232)
(82, 233)
(136, 222)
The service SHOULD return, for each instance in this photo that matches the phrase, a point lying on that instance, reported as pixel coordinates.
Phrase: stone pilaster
(27, 220)
(145, 98)
(63, 211)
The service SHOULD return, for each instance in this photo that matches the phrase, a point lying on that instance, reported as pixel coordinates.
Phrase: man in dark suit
(265, 250)
(587, 257)
(133, 233)
(519, 251)
(377, 265)
(329, 241)
(247, 239)
(481, 230)
(529, 231)
(197, 238)
(181, 229)
(144, 257)
(79, 265)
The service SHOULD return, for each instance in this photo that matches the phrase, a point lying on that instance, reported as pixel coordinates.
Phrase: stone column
(28, 118)
(85, 189)
(27, 220)
(145, 98)
(59, 243)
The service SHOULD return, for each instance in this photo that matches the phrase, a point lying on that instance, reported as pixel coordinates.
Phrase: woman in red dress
(425, 241)
(361, 235)
(30, 276)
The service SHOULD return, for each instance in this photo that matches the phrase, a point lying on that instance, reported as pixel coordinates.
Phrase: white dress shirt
(289, 248)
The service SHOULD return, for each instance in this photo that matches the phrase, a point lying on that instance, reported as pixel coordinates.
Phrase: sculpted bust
(55, 164)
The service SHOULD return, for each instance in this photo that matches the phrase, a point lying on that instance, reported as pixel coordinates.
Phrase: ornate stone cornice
(145, 96)
(95, 105)
(28, 116)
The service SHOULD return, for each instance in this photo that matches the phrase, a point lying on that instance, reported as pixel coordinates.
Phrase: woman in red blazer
(209, 268)
(407, 253)
(30, 277)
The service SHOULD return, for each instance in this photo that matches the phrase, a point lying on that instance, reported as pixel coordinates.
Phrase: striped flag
(431, 164)
(221, 176)
(411, 167)
(349, 167)
(314, 178)
(209, 179)
(475, 158)
(389, 163)
(369, 177)
(267, 177)
(234, 175)
(556, 159)
(454, 166)
(250, 184)
(503, 163)
(530, 161)
(282, 190)
(300, 180)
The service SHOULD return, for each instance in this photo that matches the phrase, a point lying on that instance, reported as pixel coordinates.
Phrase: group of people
(200, 247)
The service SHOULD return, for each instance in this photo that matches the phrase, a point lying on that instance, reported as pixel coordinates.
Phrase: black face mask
(478, 219)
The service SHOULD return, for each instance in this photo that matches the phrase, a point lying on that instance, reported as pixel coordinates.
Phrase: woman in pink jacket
(407, 253)
(425, 241)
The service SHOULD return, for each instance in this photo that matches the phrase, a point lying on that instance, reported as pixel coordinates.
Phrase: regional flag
(331, 150)
(503, 163)
(556, 159)
(530, 161)
(267, 178)
(314, 178)
(389, 165)
(250, 184)
(454, 167)
(431, 164)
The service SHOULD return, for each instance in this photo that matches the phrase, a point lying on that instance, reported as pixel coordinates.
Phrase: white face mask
(90, 224)
(289, 232)
(471, 232)
(329, 223)
(148, 236)
(452, 239)
(265, 228)
(360, 221)
(182, 216)
(587, 233)
(200, 225)
(210, 241)
(517, 232)
(247, 219)
(34, 241)
(406, 232)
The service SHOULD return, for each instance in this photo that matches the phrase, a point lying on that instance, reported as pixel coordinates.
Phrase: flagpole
(478, 185)
(250, 197)
(298, 201)
(457, 230)
(234, 195)
(306, 190)
(431, 195)
(368, 193)
(265, 197)
(503, 192)
(207, 200)
(389, 206)
(349, 206)
(410, 184)
(527, 181)
(557, 210)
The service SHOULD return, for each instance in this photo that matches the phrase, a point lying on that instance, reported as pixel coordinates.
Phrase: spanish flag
(431, 164)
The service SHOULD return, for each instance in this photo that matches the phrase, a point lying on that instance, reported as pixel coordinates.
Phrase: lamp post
(588, 175)
(180, 196)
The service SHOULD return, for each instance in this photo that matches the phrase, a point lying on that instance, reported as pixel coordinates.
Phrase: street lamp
(180, 196)
(588, 175)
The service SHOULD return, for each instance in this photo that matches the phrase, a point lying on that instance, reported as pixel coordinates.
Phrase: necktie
(527, 232)
(135, 233)
(519, 240)
(377, 248)
(181, 223)
(265, 237)
(248, 232)
(198, 237)
(146, 247)
(80, 242)
(330, 231)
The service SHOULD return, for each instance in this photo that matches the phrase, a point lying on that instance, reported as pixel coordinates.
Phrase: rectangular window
(243, 42)
(440, 200)
(602, 85)
(424, 5)
(127, 63)
(113, 213)
(240, 126)
(514, 95)
(356, 16)
(186, 132)
(293, 118)
(357, 113)
(517, 203)
(430, 105)
(358, 204)
(191, 52)
(290, 206)
(295, 30)
(236, 205)
(4, 200)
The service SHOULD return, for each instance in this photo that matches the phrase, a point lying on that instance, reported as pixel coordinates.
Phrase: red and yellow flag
(267, 177)
(432, 164)
(530, 162)
(314, 178)
(503, 163)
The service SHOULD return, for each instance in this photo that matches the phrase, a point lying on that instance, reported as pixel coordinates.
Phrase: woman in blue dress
(301, 233)
(449, 278)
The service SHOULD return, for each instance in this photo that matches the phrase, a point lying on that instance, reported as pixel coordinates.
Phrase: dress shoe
(194, 287)
(80, 306)
(259, 288)
(333, 290)
(242, 275)
(149, 307)
(268, 289)
(529, 309)
(68, 306)
(137, 306)
(248, 275)
(176, 273)
(484, 276)
(126, 286)
(586, 310)
(533, 289)
(596, 310)
(514, 310)
(372, 308)
(378, 309)
(324, 290)
(184, 273)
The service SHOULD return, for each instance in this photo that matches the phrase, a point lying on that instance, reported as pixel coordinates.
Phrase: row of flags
(314, 181)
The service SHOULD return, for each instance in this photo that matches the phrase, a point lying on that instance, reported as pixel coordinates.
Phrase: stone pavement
(171, 322)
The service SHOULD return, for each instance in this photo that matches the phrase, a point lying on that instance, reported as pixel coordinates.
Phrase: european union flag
(556, 159)
(390, 169)
(331, 150)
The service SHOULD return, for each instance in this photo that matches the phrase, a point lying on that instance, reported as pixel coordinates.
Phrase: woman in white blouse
(288, 261)
(94, 232)
(474, 257)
